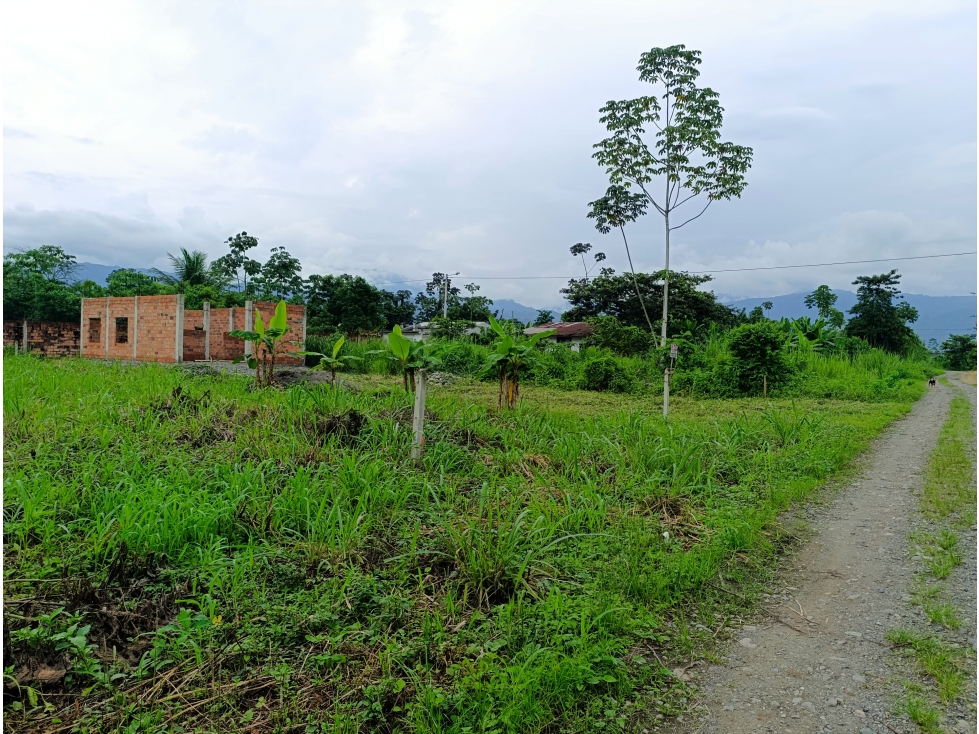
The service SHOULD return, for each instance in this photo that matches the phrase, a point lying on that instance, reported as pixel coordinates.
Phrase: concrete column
(207, 331)
(106, 327)
(179, 354)
(81, 331)
(25, 336)
(304, 328)
(249, 318)
(135, 325)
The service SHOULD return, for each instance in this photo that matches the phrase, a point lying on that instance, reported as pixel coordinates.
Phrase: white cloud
(443, 134)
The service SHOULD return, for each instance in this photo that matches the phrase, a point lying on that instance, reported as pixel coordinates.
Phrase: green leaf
(279, 319)
(338, 346)
(259, 324)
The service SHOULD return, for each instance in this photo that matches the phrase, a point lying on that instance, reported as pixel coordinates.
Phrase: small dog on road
(931, 382)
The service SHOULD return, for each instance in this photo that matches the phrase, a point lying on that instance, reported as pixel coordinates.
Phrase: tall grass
(506, 585)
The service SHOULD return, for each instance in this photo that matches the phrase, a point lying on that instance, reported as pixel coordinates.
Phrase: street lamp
(445, 296)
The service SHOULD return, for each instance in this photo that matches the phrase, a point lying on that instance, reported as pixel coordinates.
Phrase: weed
(935, 658)
(922, 713)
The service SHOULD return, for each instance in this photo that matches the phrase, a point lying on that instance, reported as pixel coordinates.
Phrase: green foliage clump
(959, 352)
(609, 333)
(758, 356)
(605, 373)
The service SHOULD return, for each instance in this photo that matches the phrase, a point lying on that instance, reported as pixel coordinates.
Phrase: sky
(392, 140)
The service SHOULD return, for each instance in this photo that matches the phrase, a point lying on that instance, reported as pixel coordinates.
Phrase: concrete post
(418, 419)
(135, 325)
(179, 352)
(81, 331)
(304, 331)
(25, 336)
(106, 327)
(207, 331)
(248, 325)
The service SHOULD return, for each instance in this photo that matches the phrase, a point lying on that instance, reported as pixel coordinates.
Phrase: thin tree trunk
(636, 282)
(666, 280)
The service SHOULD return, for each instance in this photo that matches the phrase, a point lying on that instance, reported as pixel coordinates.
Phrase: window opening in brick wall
(95, 330)
(122, 330)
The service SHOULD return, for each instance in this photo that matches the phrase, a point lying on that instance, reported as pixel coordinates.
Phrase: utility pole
(445, 296)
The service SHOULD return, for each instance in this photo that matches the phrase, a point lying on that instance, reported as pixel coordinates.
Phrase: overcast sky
(395, 139)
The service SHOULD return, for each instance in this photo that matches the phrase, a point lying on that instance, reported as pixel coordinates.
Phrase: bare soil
(817, 659)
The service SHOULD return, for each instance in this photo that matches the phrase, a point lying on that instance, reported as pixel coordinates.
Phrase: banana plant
(331, 361)
(409, 355)
(266, 344)
(510, 353)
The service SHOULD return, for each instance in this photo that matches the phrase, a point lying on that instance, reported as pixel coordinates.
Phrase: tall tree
(190, 268)
(236, 265)
(129, 282)
(824, 301)
(686, 156)
(875, 316)
(35, 285)
(346, 303)
(581, 248)
(280, 277)
(397, 308)
(618, 296)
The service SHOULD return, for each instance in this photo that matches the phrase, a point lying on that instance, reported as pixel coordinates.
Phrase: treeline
(40, 285)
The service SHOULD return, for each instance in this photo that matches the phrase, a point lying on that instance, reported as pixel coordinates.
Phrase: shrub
(609, 333)
(605, 374)
(757, 352)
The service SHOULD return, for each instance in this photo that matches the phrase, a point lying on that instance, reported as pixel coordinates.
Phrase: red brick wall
(194, 345)
(156, 340)
(51, 338)
(157, 337)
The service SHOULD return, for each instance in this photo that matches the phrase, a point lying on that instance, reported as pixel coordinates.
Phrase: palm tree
(190, 268)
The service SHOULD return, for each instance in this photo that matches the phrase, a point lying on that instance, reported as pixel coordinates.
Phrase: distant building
(417, 332)
(571, 332)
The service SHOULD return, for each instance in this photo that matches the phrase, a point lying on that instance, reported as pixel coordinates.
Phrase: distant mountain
(511, 309)
(938, 316)
(98, 273)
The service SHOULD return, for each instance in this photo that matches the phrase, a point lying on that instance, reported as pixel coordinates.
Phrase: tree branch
(692, 218)
(636, 282)
(651, 199)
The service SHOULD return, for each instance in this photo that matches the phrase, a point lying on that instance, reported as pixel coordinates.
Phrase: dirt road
(817, 660)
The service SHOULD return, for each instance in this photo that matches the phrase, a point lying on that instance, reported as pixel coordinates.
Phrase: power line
(701, 272)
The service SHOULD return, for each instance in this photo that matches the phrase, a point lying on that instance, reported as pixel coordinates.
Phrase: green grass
(919, 710)
(935, 658)
(183, 550)
(950, 486)
(940, 551)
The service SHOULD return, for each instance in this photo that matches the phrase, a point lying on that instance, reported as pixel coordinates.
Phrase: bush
(605, 374)
(609, 333)
(758, 354)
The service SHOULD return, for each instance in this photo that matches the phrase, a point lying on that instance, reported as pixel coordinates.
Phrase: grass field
(182, 553)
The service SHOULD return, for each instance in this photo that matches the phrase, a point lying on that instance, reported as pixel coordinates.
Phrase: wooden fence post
(418, 422)
(764, 386)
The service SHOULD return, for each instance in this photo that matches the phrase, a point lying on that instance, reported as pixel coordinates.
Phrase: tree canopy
(875, 316)
(618, 295)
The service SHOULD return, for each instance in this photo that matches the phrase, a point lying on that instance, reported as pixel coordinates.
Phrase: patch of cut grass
(950, 485)
(940, 550)
(943, 613)
(935, 658)
(922, 713)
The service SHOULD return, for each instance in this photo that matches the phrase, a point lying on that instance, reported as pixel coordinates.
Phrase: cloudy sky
(392, 139)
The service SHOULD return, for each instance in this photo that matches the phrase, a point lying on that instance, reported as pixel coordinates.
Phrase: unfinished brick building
(159, 329)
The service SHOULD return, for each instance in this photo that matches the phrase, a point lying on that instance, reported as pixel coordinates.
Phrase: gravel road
(817, 660)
